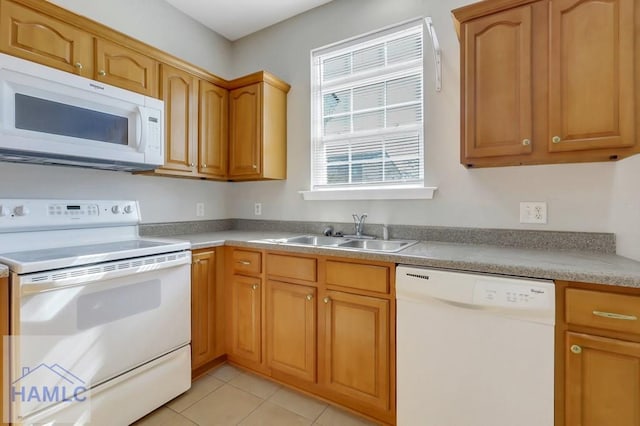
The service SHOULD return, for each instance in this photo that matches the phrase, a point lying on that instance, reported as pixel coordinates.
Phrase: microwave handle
(143, 119)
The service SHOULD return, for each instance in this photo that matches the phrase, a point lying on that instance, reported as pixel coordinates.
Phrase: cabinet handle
(254, 287)
(576, 349)
(102, 73)
(204, 166)
(326, 299)
(192, 164)
(556, 139)
(196, 261)
(612, 315)
(309, 296)
(254, 167)
(526, 142)
(78, 65)
(243, 262)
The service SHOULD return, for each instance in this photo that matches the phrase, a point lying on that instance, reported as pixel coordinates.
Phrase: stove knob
(21, 211)
(128, 209)
(115, 209)
(4, 211)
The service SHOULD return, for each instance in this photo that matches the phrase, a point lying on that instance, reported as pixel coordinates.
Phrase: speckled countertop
(4, 271)
(569, 265)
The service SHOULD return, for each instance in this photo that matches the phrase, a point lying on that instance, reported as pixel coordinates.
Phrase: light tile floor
(228, 396)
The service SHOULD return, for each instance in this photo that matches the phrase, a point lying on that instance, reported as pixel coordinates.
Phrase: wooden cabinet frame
(570, 91)
(295, 288)
(602, 342)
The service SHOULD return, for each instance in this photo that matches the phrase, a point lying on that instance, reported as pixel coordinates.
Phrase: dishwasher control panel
(489, 292)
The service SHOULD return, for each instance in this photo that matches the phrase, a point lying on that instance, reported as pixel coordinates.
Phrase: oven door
(87, 325)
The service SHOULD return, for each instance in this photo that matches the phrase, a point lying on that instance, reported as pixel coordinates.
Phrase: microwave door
(44, 116)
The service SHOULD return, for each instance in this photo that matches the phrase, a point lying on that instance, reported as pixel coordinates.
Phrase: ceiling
(234, 19)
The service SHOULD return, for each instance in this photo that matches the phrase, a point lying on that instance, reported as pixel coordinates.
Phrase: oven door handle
(78, 277)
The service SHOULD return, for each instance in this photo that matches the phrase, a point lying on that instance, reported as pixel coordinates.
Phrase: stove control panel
(34, 214)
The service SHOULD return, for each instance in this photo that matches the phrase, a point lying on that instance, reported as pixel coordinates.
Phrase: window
(367, 111)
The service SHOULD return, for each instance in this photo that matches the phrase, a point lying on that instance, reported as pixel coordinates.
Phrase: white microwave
(52, 117)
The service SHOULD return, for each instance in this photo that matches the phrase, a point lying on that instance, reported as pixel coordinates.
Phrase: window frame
(382, 190)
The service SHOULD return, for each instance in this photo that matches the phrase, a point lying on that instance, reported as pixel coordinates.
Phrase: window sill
(425, 193)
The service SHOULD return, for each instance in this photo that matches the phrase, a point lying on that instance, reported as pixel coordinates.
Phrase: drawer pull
(254, 287)
(576, 349)
(612, 315)
(244, 262)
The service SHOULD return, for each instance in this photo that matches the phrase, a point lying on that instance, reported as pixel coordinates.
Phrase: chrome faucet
(359, 223)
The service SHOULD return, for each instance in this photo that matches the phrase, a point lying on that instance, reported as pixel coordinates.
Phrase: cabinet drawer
(248, 262)
(300, 268)
(358, 276)
(616, 312)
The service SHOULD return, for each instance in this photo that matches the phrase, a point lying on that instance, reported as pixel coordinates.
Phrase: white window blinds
(367, 111)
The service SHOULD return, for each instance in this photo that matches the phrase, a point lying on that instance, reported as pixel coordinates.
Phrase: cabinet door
(602, 381)
(497, 102)
(291, 329)
(180, 95)
(123, 67)
(591, 74)
(356, 348)
(246, 333)
(207, 339)
(39, 38)
(245, 134)
(214, 111)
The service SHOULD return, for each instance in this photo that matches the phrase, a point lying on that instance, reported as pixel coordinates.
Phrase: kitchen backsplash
(545, 240)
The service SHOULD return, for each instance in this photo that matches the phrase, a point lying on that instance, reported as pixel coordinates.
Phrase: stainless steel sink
(388, 246)
(316, 240)
(378, 245)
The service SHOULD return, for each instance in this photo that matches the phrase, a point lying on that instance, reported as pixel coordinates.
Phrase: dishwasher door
(474, 350)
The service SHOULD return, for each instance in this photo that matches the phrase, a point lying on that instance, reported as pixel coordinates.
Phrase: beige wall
(578, 196)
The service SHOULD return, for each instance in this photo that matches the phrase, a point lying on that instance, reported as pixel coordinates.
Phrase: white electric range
(100, 317)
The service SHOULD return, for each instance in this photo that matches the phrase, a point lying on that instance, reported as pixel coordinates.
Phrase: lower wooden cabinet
(207, 309)
(291, 329)
(323, 325)
(356, 346)
(602, 381)
(245, 329)
(598, 362)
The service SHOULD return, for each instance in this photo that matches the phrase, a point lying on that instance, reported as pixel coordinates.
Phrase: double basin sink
(387, 246)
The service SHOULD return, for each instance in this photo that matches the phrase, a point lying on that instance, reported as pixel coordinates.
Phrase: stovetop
(40, 235)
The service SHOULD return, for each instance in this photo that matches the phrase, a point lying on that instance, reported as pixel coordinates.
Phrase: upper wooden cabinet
(258, 128)
(547, 81)
(498, 86)
(209, 134)
(591, 74)
(123, 67)
(35, 36)
(213, 136)
(180, 95)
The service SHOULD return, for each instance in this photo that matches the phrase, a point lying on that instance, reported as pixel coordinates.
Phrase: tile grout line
(315, 421)
(252, 411)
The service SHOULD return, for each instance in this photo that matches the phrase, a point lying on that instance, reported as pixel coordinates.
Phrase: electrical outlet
(257, 209)
(199, 209)
(533, 212)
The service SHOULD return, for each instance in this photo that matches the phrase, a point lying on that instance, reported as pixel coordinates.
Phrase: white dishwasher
(473, 349)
